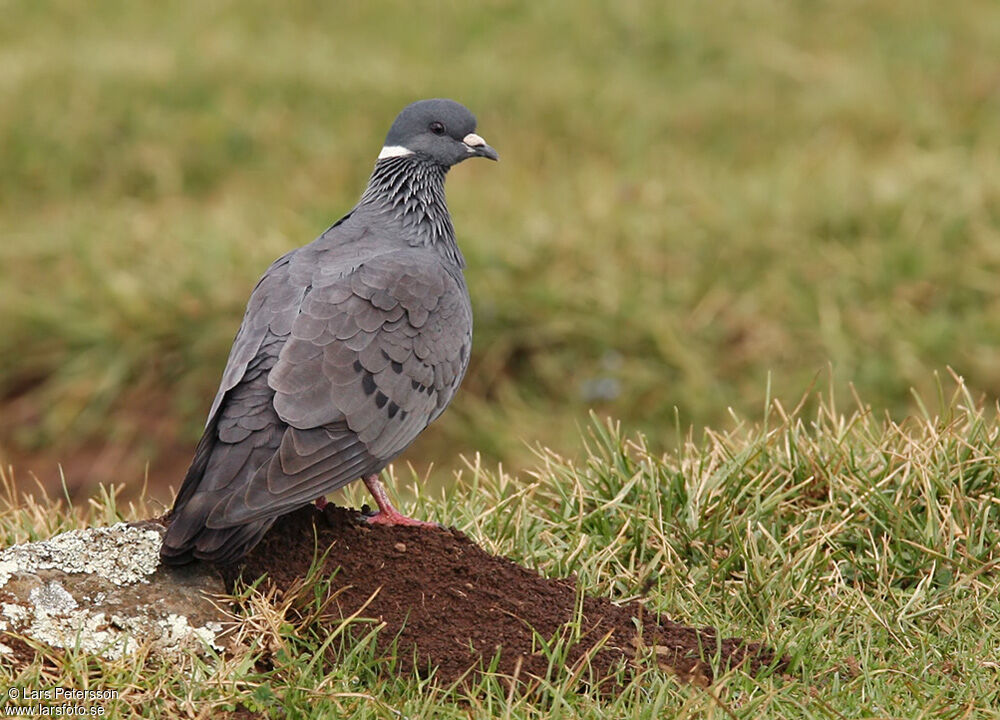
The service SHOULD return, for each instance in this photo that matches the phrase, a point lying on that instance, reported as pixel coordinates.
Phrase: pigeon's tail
(227, 467)
(188, 539)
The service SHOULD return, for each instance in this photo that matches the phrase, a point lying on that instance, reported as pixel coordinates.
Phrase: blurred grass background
(692, 196)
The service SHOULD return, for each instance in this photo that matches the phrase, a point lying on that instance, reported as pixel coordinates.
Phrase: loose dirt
(448, 604)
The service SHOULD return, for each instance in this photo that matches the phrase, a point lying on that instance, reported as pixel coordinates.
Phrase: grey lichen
(122, 554)
(52, 598)
(101, 591)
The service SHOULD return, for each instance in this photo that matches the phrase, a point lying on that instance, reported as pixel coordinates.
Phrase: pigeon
(350, 346)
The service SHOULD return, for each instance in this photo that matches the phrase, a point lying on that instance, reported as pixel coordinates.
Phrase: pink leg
(387, 514)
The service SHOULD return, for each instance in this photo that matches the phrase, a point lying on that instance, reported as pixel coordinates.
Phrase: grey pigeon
(349, 348)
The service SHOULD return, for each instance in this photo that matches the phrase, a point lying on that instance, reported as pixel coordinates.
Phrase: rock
(103, 591)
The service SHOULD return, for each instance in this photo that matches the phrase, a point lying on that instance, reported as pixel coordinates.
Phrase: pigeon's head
(442, 131)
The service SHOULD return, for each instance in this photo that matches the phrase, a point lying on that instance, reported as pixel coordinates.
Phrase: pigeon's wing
(373, 357)
(242, 431)
(272, 307)
(270, 311)
(243, 402)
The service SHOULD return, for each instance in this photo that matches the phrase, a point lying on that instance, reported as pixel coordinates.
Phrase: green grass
(864, 549)
(692, 198)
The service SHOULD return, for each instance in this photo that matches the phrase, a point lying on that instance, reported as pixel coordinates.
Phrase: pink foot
(387, 514)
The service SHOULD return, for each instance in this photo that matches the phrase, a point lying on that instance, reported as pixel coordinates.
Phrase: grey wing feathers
(366, 360)
(273, 305)
(241, 436)
(385, 357)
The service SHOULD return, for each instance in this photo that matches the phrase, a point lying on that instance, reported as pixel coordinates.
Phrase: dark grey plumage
(349, 348)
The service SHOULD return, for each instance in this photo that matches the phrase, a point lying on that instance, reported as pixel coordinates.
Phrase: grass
(864, 548)
(691, 199)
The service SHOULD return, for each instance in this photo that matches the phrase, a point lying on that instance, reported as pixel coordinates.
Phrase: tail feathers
(188, 539)
(219, 470)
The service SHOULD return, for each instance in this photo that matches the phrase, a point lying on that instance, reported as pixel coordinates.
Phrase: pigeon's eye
(437, 128)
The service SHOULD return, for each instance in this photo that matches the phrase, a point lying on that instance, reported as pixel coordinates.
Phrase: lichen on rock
(123, 554)
(101, 590)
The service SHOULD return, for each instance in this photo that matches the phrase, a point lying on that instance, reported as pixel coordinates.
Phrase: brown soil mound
(450, 604)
